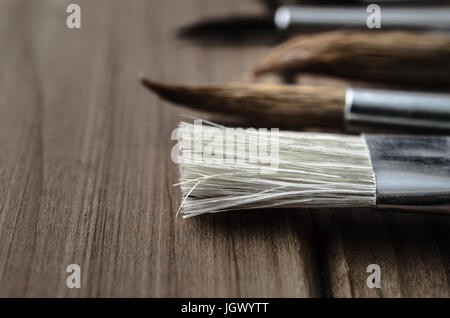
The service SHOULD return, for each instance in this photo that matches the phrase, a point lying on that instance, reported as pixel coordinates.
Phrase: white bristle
(313, 170)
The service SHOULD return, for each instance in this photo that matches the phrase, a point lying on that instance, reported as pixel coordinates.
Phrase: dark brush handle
(411, 171)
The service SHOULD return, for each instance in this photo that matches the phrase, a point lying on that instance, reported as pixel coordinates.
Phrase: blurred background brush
(284, 18)
(407, 58)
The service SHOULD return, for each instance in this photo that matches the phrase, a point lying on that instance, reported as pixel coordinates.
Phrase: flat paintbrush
(389, 56)
(324, 106)
(309, 170)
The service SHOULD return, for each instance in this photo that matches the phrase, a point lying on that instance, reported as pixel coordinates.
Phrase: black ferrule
(411, 170)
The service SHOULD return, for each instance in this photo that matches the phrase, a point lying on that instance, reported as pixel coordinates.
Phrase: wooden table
(86, 176)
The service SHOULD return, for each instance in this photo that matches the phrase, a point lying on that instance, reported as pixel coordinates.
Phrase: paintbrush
(317, 17)
(391, 17)
(224, 169)
(395, 57)
(324, 106)
(273, 4)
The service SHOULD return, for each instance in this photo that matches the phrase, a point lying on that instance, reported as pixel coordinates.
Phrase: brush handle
(407, 109)
(411, 171)
(435, 17)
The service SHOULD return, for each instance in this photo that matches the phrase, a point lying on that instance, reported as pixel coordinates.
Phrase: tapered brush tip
(163, 90)
(178, 94)
(265, 66)
(150, 84)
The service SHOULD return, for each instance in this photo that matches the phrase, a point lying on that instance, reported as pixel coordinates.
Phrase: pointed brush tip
(161, 89)
(258, 71)
(150, 84)
(185, 32)
(144, 80)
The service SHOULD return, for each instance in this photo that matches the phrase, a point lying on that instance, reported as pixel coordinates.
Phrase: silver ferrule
(406, 17)
(398, 108)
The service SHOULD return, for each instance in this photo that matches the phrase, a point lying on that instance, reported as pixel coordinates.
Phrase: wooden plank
(411, 250)
(85, 167)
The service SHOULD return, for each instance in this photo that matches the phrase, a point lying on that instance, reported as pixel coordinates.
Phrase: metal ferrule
(411, 171)
(405, 17)
(406, 109)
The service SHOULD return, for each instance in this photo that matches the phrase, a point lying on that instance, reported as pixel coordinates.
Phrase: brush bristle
(389, 56)
(313, 170)
(294, 104)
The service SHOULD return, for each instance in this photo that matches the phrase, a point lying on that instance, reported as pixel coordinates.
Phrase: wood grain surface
(86, 176)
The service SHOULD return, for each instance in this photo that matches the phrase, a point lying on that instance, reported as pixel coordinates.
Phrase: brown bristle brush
(388, 56)
(302, 105)
(323, 106)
